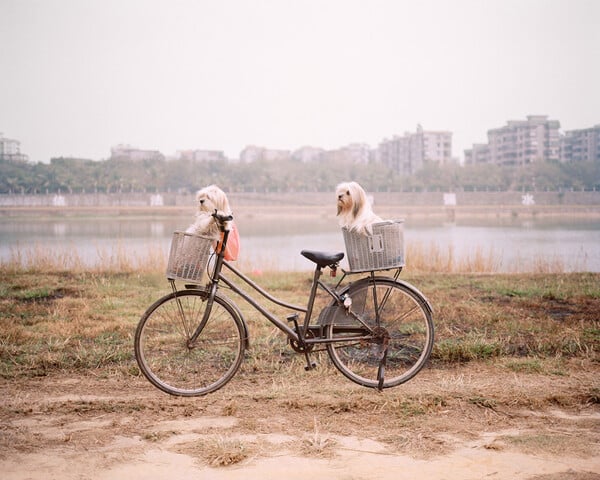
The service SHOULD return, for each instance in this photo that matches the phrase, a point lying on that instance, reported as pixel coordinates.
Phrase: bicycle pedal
(312, 366)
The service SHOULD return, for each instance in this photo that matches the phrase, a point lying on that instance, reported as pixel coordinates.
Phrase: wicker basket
(381, 251)
(188, 257)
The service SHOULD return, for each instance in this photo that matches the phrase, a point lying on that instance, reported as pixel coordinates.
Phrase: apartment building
(355, 153)
(128, 152)
(437, 147)
(253, 153)
(581, 145)
(407, 154)
(308, 154)
(480, 153)
(403, 154)
(519, 142)
(10, 150)
(201, 155)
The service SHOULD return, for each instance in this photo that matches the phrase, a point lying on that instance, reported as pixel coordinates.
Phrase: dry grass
(421, 258)
(510, 351)
(66, 320)
(116, 259)
(434, 259)
(222, 451)
(550, 442)
(318, 444)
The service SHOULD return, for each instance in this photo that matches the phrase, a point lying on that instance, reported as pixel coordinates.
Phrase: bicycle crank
(299, 348)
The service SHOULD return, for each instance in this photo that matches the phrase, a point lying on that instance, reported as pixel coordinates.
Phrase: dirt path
(466, 423)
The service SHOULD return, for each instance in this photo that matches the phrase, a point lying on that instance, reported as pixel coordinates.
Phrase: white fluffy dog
(354, 209)
(209, 199)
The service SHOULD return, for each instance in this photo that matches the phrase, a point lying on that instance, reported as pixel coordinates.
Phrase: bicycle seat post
(311, 298)
(301, 331)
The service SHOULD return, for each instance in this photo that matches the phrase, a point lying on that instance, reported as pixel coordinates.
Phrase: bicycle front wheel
(174, 363)
(389, 342)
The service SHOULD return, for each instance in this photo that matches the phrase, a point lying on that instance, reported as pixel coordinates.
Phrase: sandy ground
(438, 426)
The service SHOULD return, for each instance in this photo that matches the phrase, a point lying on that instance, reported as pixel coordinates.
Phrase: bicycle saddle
(323, 259)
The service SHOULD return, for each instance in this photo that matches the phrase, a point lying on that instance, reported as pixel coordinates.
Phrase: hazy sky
(80, 76)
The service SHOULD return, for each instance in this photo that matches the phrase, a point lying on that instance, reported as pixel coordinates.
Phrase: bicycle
(378, 331)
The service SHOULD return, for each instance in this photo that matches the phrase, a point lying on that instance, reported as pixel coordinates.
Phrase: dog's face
(212, 198)
(350, 198)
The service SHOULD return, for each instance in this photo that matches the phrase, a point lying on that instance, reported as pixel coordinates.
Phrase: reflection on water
(157, 229)
(60, 229)
(276, 244)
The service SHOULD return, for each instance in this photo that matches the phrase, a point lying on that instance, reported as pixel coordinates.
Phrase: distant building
(437, 146)
(403, 155)
(10, 150)
(354, 153)
(407, 154)
(135, 154)
(581, 145)
(308, 154)
(519, 142)
(357, 153)
(480, 153)
(253, 153)
(201, 155)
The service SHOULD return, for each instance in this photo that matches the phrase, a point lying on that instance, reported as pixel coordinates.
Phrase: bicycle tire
(403, 338)
(162, 347)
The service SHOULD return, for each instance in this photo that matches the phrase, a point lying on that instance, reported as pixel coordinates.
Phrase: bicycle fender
(418, 292)
(405, 284)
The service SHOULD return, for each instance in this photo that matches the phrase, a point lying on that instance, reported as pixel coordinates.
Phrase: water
(517, 245)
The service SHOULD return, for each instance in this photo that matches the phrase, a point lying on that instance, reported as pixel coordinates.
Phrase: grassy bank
(421, 258)
(60, 321)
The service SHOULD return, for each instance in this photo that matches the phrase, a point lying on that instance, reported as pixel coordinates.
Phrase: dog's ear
(225, 204)
(357, 201)
(220, 198)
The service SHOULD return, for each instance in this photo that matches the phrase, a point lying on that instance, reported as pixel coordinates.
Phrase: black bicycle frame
(298, 335)
(295, 335)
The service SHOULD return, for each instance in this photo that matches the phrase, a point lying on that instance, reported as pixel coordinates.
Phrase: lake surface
(517, 245)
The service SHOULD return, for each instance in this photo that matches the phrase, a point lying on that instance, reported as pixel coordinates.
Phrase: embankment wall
(408, 199)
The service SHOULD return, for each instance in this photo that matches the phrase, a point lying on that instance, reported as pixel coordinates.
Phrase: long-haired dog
(208, 200)
(354, 209)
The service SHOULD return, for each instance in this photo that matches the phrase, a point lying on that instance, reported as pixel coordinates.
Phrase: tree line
(76, 175)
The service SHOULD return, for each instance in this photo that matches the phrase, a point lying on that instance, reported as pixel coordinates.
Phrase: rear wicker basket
(381, 251)
(188, 257)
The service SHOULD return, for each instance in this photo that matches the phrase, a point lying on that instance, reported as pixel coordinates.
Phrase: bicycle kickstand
(310, 365)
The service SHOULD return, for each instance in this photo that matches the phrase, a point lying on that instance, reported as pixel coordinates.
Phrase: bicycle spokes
(400, 337)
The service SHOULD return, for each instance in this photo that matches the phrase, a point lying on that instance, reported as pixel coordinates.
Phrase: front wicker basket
(383, 250)
(188, 257)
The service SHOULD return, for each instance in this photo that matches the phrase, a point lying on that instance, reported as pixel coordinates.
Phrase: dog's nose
(201, 202)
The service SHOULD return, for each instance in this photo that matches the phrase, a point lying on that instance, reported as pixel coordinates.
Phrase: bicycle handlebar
(221, 218)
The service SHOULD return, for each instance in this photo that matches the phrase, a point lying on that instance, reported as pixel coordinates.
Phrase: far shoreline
(315, 211)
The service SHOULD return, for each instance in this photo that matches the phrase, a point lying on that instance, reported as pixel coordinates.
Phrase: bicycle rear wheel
(174, 364)
(394, 342)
